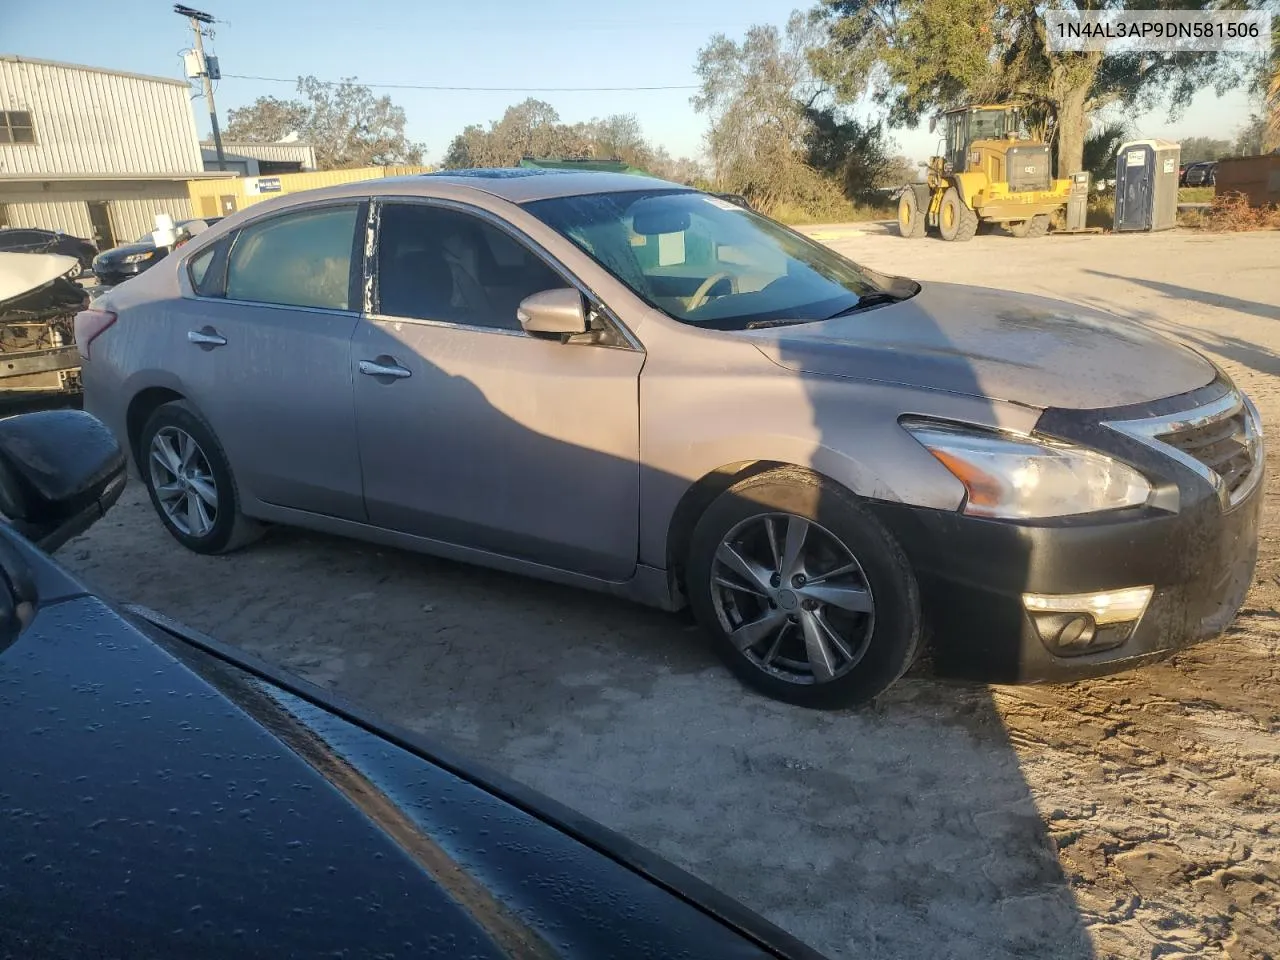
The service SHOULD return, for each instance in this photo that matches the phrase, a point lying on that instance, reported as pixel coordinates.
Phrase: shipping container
(1258, 178)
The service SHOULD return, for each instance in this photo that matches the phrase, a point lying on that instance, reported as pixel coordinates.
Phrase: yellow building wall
(214, 198)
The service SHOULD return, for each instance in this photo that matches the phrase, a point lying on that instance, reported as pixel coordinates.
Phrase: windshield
(989, 124)
(706, 261)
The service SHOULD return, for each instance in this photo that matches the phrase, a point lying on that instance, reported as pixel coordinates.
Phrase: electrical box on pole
(206, 68)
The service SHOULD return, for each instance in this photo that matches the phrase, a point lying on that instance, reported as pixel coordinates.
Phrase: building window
(15, 127)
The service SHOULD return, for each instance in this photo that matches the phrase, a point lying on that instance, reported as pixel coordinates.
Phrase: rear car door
(476, 433)
(266, 356)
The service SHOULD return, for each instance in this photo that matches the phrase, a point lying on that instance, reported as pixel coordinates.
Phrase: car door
(266, 354)
(472, 431)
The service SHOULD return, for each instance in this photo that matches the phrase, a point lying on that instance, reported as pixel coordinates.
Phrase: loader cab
(967, 125)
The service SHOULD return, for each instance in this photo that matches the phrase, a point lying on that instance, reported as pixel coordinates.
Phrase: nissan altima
(632, 386)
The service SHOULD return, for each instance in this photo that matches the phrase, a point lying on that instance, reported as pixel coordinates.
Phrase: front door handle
(384, 367)
(207, 337)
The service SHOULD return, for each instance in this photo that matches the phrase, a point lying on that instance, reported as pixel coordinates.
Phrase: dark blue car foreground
(164, 796)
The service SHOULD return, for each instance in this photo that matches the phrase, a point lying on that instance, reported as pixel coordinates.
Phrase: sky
(492, 43)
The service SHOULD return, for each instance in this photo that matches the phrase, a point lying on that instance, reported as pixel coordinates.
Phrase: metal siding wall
(69, 216)
(132, 208)
(279, 152)
(91, 121)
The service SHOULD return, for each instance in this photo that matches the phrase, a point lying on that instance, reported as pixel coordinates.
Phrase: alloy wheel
(792, 598)
(183, 481)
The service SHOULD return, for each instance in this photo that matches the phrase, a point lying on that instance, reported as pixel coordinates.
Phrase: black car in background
(166, 796)
(128, 260)
(1203, 174)
(34, 240)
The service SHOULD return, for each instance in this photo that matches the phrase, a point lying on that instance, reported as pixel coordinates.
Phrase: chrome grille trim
(1153, 431)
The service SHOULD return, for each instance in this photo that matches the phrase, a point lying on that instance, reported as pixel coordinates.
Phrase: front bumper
(973, 573)
(111, 274)
(1198, 553)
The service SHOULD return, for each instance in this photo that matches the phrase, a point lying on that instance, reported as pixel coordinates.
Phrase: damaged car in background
(38, 304)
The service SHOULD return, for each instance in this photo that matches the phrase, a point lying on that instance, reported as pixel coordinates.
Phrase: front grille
(1221, 441)
(1221, 445)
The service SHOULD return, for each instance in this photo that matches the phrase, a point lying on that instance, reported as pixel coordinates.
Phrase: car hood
(988, 343)
(161, 800)
(118, 253)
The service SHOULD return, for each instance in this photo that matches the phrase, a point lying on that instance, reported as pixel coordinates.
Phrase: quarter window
(299, 259)
(206, 276)
(15, 127)
(440, 264)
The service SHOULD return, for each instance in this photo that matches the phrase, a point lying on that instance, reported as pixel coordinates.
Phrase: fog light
(1074, 624)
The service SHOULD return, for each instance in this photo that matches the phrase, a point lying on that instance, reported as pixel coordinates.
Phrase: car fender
(844, 430)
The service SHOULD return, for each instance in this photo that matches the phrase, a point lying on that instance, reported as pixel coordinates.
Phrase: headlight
(138, 257)
(1017, 477)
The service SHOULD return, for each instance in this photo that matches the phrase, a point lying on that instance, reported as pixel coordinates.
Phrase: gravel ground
(1134, 816)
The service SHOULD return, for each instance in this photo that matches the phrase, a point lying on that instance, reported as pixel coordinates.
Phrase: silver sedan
(635, 387)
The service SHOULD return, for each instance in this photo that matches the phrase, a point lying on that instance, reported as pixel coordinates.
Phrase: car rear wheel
(190, 481)
(806, 596)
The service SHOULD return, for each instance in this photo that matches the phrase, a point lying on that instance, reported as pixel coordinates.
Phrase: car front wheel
(190, 481)
(805, 594)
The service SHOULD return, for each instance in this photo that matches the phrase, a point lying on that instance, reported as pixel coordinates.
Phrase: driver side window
(437, 263)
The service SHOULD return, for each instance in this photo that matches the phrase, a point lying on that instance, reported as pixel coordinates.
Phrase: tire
(1037, 226)
(227, 528)
(910, 217)
(956, 219)
(877, 617)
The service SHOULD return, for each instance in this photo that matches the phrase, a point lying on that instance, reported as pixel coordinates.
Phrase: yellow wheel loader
(986, 172)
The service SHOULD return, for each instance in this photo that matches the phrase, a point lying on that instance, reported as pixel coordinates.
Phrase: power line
(433, 86)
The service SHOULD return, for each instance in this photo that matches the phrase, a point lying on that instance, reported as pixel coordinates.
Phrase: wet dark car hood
(990, 343)
(159, 801)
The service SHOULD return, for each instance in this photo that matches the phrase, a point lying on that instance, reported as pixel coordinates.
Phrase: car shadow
(1225, 346)
(1175, 291)
(979, 870)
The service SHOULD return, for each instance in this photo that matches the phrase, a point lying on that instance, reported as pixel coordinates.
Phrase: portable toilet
(1147, 185)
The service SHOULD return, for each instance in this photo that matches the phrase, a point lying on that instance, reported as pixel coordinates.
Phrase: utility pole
(198, 17)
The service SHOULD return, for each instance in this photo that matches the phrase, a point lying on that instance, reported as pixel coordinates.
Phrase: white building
(94, 153)
(261, 159)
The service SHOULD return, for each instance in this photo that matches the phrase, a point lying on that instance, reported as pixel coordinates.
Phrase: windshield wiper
(876, 299)
(761, 324)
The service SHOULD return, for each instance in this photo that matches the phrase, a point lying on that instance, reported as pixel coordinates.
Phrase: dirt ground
(1134, 816)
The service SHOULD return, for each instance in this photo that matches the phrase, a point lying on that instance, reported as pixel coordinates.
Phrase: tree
(775, 134)
(533, 128)
(1198, 149)
(1271, 98)
(345, 122)
(1100, 149)
(853, 154)
(919, 56)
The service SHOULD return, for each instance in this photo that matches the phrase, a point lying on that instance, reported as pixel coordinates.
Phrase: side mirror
(558, 312)
(59, 472)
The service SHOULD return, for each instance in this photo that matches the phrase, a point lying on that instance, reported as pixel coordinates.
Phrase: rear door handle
(207, 337)
(384, 367)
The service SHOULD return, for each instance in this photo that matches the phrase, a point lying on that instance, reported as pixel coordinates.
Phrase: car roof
(515, 184)
(524, 184)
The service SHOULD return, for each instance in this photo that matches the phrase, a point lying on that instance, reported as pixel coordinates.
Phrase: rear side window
(298, 259)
